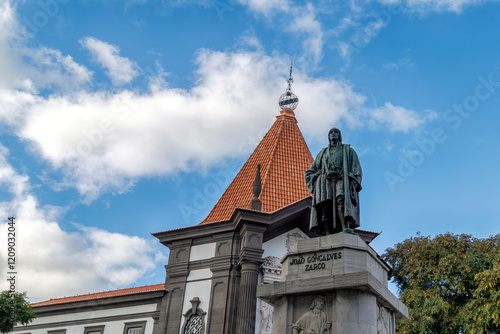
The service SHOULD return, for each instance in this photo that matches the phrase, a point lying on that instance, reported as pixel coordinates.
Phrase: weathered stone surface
(332, 255)
(355, 309)
(344, 270)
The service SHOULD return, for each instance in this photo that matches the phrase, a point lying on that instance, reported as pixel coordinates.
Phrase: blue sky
(124, 118)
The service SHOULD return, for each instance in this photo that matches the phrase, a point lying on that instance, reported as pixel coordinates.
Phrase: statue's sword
(347, 189)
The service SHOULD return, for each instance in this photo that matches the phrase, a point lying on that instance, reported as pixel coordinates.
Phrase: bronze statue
(334, 179)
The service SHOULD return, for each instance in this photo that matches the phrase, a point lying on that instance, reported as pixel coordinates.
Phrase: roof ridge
(304, 144)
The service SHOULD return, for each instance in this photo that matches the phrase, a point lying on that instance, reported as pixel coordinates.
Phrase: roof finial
(256, 203)
(289, 100)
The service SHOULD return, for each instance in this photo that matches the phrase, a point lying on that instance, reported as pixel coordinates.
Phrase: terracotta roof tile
(284, 157)
(100, 295)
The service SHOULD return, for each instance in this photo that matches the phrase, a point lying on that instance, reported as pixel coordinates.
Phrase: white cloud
(52, 262)
(14, 105)
(267, 7)
(8, 60)
(357, 30)
(120, 70)
(306, 22)
(300, 20)
(404, 62)
(426, 6)
(249, 40)
(34, 68)
(48, 67)
(326, 102)
(103, 142)
(397, 118)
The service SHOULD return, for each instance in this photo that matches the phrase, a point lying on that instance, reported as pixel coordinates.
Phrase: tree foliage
(14, 309)
(451, 284)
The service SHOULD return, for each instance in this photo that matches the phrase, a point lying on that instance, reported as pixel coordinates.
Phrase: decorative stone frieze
(271, 270)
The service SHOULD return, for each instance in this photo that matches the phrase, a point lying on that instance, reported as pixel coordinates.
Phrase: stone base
(348, 275)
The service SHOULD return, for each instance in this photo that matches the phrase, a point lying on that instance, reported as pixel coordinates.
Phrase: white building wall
(278, 246)
(199, 282)
(119, 311)
(111, 326)
(202, 252)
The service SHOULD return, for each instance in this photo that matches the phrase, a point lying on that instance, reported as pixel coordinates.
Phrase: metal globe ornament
(288, 100)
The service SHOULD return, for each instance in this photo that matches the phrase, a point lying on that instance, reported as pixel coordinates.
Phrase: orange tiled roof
(100, 295)
(284, 157)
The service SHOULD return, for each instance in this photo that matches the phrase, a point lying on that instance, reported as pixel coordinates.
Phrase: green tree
(14, 309)
(451, 284)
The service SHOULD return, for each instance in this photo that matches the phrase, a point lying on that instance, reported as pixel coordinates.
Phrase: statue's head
(334, 135)
(318, 302)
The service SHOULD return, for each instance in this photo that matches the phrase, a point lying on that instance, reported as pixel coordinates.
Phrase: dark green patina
(334, 179)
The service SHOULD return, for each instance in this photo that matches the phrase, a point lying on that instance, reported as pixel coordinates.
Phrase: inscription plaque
(315, 261)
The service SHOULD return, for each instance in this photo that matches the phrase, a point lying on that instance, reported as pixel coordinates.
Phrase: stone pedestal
(350, 279)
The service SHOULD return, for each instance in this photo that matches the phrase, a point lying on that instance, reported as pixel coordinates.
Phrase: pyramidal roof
(284, 157)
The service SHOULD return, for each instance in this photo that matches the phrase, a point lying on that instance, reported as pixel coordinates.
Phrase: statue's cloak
(323, 191)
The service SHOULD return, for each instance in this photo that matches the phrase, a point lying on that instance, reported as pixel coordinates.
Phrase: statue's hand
(318, 173)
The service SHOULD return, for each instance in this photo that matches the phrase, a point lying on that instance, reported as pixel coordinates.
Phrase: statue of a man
(314, 321)
(334, 179)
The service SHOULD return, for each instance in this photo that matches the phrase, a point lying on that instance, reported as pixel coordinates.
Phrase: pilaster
(223, 307)
(175, 283)
(250, 260)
